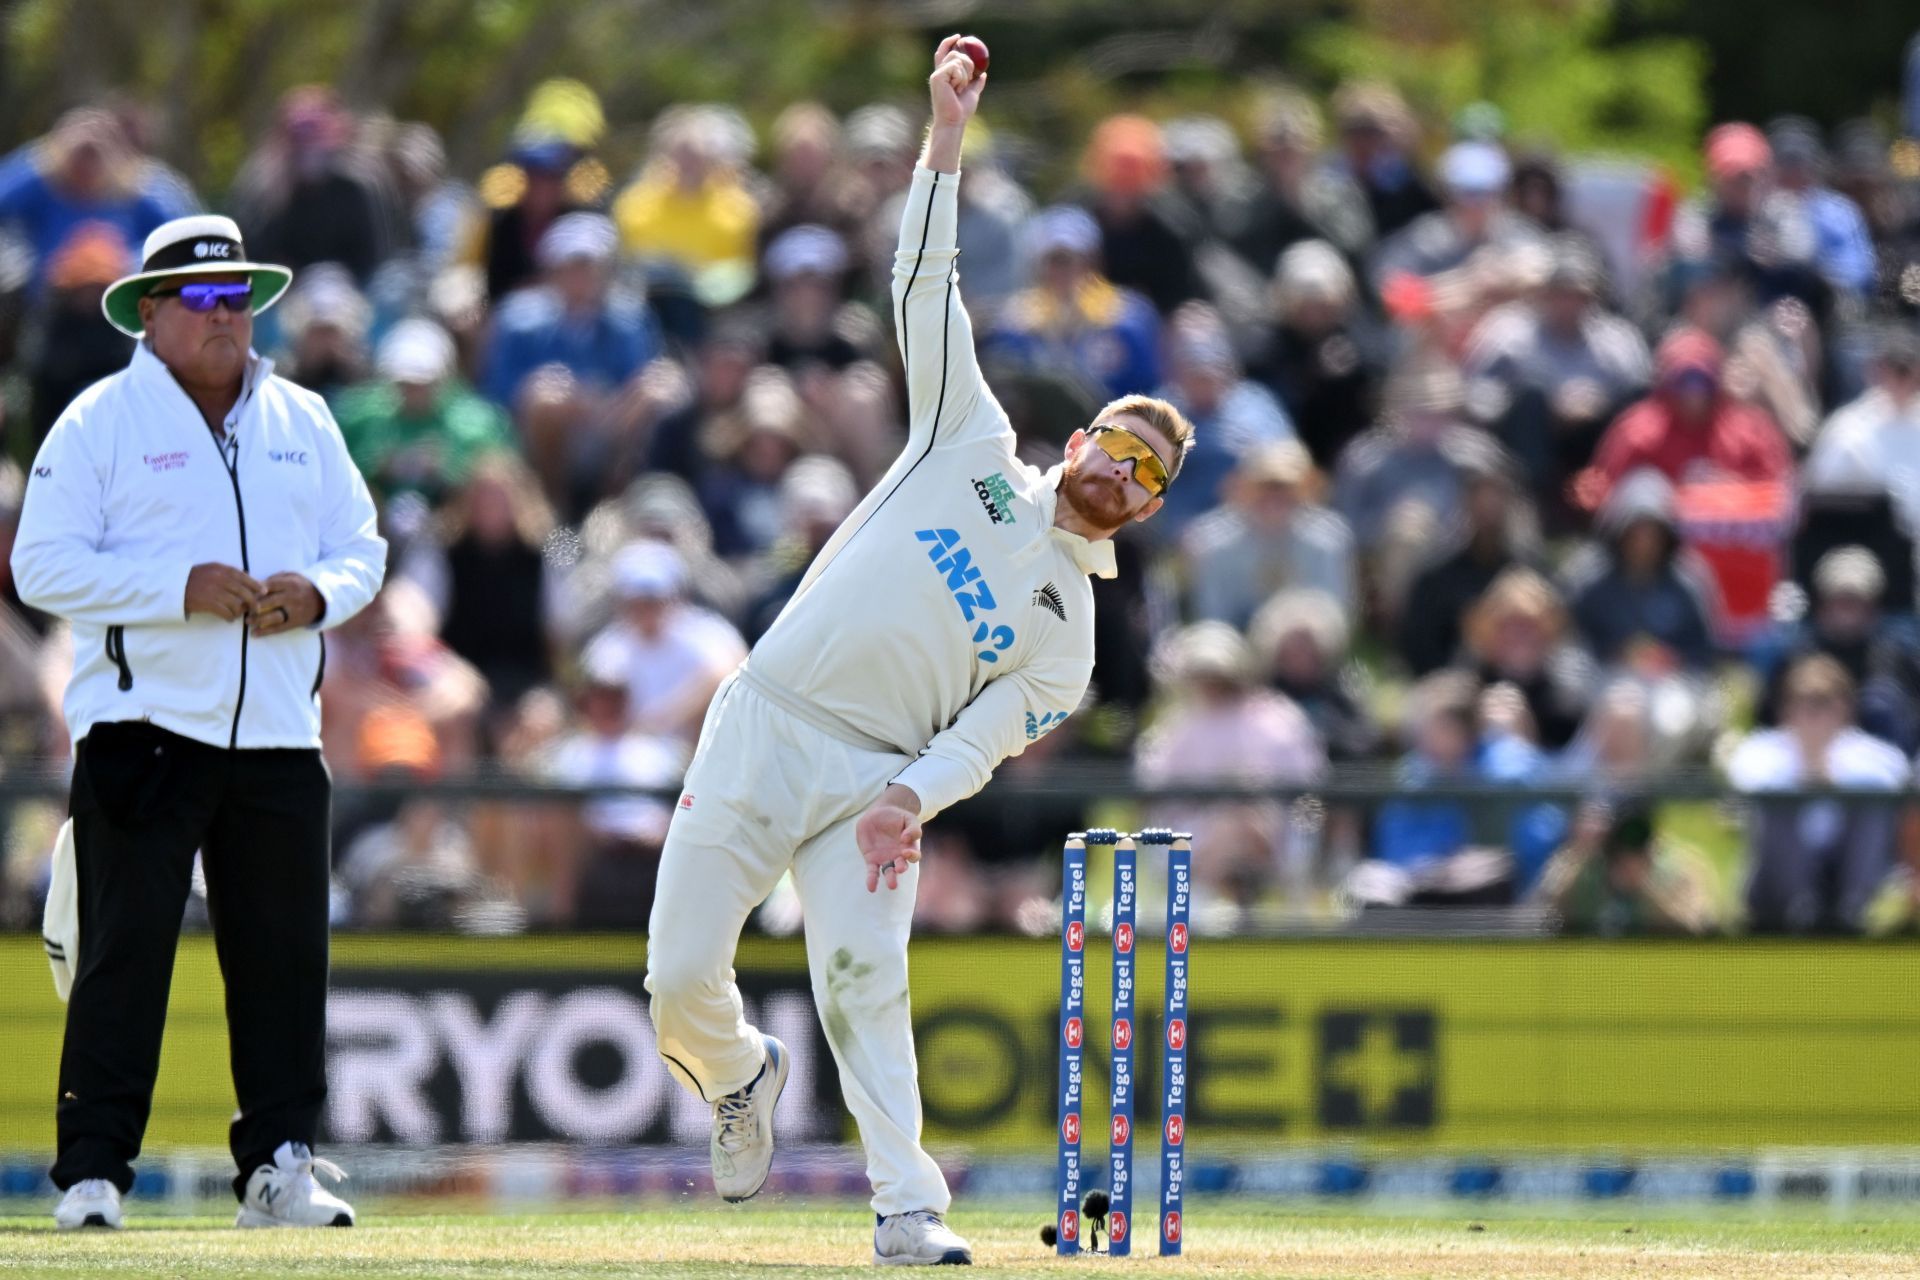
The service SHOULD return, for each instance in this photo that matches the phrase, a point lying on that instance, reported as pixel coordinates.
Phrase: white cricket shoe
(91, 1202)
(918, 1239)
(742, 1146)
(284, 1194)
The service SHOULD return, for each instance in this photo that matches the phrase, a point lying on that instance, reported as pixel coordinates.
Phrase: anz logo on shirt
(970, 591)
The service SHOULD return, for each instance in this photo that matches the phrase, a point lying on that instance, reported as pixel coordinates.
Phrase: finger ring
(284, 615)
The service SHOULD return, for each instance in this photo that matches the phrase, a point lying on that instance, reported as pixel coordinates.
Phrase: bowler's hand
(888, 834)
(289, 601)
(954, 88)
(221, 590)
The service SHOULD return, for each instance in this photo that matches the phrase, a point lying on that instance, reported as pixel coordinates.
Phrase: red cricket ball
(976, 50)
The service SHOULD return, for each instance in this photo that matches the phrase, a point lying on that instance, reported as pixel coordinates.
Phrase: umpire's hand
(289, 601)
(221, 590)
(888, 834)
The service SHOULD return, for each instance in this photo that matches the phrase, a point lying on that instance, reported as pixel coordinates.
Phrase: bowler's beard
(1099, 501)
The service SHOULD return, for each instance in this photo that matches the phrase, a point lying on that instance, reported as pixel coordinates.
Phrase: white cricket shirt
(947, 619)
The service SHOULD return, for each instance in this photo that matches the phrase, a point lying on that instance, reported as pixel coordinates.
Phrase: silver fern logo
(1048, 597)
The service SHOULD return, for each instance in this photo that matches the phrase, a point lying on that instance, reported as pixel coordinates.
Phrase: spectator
(438, 207)
(1232, 415)
(324, 324)
(419, 429)
(85, 170)
(1404, 481)
(1475, 175)
(73, 346)
(1376, 153)
(805, 268)
(1616, 878)
(1745, 224)
(690, 206)
(1842, 248)
(1147, 241)
(388, 658)
(881, 145)
(1301, 634)
(307, 195)
(1773, 354)
(1269, 535)
(1208, 176)
(1424, 851)
(741, 492)
(1721, 228)
(498, 594)
(1538, 193)
(675, 654)
(1863, 174)
(1516, 635)
(1817, 863)
(859, 421)
(563, 354)
(618, 837)
(1878, 435)
(709, 425)
(993, 209)
(418, 869)
(1881, 659)
(816, 496)
(1297, 198)
(1496, 534)
(1545, 375)
(1688, 429)
(1616, 752)
(1072, 321)
(1222, 728)
(664, 509)
(525, 196)
(810, 178)
(1634, 601)
(1325, 360)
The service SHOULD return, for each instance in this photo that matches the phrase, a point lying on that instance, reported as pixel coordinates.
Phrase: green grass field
(701, 1240)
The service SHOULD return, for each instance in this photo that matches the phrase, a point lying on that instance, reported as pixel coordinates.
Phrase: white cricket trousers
(767, 792)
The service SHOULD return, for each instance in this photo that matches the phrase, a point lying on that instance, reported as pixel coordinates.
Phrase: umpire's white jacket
(131, 490)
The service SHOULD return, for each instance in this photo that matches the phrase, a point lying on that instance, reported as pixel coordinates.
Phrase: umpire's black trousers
(143, 801)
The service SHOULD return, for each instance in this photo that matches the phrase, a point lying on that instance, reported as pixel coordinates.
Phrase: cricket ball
(976, 50)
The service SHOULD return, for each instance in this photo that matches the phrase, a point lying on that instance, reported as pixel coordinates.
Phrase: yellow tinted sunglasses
(1123, 445)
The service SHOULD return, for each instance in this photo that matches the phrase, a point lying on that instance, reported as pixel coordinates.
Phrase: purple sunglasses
(205, 297)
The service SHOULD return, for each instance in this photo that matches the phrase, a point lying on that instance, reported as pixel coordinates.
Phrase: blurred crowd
(1514, 469)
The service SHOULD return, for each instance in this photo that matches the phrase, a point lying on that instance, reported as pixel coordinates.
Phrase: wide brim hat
(201, 245)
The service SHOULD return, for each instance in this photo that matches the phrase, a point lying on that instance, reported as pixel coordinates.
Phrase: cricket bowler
(947, 624)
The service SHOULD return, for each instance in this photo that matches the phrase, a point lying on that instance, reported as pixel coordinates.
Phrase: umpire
(199, 523)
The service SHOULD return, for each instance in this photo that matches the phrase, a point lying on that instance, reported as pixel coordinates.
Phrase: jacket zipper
(117, 654)
(321, 674)
(240, 512)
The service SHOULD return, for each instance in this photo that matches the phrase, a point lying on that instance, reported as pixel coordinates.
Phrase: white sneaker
(284, 1194)
(91, 1202)
(918, 1239)
(742, 1146)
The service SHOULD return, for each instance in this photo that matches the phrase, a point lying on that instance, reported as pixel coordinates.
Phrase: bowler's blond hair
(1159, 415)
